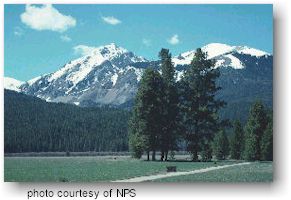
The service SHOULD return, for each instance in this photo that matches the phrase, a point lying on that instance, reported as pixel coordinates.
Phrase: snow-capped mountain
(105, 76)
(110, 75)
(12, 84)
(225, 55)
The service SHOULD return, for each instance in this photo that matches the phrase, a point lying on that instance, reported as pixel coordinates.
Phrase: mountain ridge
(219, 50)
(110, 75)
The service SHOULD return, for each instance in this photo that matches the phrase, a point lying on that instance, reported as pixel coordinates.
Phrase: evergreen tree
(137, 141)
(169, 105)
(267, 142)
(237, 141)
(137, 145)
(220, 146)
(146, 120)
(255, 127)
(198, 103)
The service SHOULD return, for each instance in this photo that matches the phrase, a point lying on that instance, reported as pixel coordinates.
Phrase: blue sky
(40, 39)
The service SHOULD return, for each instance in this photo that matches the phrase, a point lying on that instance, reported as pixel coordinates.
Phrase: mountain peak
(77, 70)
(223, 53)
(216, 49)
(112, 45)
(109, 50)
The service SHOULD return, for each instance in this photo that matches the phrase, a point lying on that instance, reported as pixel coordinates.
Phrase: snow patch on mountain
(12, 84)
(219, 63)
(216, 49)
(184, 58)
(114, 79)
(32, 81)
(234, 62)
(138, 73)
(251, 51)
(223, 54)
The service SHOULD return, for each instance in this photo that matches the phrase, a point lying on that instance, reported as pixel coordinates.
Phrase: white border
(280, 189)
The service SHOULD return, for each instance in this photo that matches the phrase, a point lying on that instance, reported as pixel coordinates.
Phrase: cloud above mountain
(111, 20)
(174, 40)
(46, 17)
(83, 50)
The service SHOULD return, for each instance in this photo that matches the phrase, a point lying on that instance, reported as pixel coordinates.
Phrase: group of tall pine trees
(165, 108)
(167, 112)
(252, 142)
(154, 123)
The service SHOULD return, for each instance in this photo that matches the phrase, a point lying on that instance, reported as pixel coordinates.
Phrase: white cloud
(146, 42)
(111, 20)
(18, 31)
(46, 17)
(65, 38)
(174, 40)
(83, 50)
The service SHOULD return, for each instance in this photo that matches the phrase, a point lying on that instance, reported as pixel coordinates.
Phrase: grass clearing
(254, 172)
(87, 169)
(109, 168)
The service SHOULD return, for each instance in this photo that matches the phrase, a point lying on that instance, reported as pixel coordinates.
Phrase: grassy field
(255, 172)
(104, 168)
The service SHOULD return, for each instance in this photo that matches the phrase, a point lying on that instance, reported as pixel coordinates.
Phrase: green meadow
(108, 168)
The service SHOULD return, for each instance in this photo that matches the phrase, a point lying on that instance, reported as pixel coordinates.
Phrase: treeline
(252, 142)
(167, 113)
(33, 125)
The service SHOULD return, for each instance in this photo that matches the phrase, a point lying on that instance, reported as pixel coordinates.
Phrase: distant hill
(34, 125)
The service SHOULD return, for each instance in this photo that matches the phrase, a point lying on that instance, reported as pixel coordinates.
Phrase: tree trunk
(154, 155)
(166, 156)
(148, 155)
(162, 156)
(194, 155)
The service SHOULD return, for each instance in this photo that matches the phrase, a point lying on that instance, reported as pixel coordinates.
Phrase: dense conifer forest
(33, 125)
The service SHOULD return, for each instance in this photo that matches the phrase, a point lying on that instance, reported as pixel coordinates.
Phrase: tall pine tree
(146, 121)
(169, 106)
(267, 141)
(255, 127)
(220, 146)
(198, 103)
(137, 140)
(237, 141)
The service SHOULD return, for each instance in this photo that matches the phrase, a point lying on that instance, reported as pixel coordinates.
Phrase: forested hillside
(240, 88)
(33, 125)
